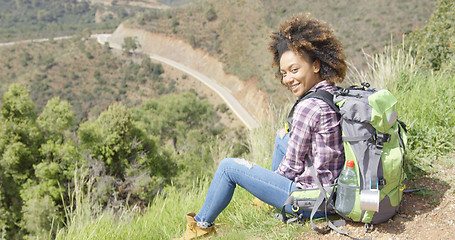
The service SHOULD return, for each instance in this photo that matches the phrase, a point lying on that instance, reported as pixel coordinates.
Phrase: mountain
(236, 32)
(229, 36)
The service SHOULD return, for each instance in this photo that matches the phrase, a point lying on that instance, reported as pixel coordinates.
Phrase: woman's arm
(305, 117)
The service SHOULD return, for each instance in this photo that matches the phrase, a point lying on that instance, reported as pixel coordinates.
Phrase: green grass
(425, 104)
(423, 98)
(159, 222)
(165, 216)
(427, 107)
(165, 219)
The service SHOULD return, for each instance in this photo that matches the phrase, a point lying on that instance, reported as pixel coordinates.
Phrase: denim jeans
(280, 150)
(265, 184)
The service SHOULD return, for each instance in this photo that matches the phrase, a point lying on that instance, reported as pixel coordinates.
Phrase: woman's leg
(266, 185)
(281, 143)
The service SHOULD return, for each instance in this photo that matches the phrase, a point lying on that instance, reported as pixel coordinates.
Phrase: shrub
(222, 108)
(130, 44)
(434, 42)
(41, 217)
(210, 14)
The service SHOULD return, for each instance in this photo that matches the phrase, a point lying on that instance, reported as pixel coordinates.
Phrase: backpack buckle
(365, 85)
(380, 138)
(295, 206)
(344, 92)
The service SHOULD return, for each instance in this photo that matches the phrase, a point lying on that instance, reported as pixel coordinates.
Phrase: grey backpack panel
(387, 211)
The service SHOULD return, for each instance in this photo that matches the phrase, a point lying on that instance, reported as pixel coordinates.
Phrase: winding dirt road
(230, 100)
(33, 40)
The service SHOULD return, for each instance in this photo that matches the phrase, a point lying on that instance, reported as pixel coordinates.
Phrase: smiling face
(299, 73)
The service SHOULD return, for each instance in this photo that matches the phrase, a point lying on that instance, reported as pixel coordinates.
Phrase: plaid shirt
(316, 134)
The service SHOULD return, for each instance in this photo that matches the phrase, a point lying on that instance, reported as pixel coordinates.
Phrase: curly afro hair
(305, 35)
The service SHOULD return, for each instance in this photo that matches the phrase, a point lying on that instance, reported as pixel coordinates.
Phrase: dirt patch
(426, 214)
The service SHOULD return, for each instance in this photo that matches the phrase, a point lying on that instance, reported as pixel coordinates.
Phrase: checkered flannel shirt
(315, 134)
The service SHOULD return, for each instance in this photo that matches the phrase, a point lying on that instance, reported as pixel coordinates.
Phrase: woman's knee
(226, 163)
(277, 138)
(281, 133)
(234, 163)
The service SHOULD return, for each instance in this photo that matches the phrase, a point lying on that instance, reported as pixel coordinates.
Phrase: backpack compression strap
(319, 201)
(323, 195)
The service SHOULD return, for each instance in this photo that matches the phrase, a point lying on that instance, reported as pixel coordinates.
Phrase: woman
(308, 57)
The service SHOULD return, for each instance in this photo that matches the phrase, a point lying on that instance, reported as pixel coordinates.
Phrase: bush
(434, 42)
(130, 44)
(210, 14)
(41, 217)
(222, 108)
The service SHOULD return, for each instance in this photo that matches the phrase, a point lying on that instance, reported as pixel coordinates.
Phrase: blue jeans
(265, 184)
(280, 150)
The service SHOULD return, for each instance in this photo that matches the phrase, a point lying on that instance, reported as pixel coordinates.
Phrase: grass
(422, 97)
(430, 117)
(165, 219)
(165, 216)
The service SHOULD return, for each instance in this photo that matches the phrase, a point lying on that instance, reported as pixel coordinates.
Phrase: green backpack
(375, 140)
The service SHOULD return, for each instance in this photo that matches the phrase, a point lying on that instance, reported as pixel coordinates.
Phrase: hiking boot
(193, 231)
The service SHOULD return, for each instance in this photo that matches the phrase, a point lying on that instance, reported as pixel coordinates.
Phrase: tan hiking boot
(193, 231)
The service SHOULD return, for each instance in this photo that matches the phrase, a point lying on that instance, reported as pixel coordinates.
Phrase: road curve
(230, 100)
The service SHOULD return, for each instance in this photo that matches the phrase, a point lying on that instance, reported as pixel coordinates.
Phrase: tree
(20, 138)
(109, 138)
(17, 106)
(56, 117)
(127, 162)
(19, 134)
(130, 44)
(434, 42)
(210, 14)
(188, 124)
(37, 160)
(172, 116)
(40, 216)
(45, 191)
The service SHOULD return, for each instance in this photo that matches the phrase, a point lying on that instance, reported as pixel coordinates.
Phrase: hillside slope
(236, 32)
(246, 92)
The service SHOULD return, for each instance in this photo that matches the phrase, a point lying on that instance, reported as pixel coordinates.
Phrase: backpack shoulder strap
(325, 96)
(320, 94)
